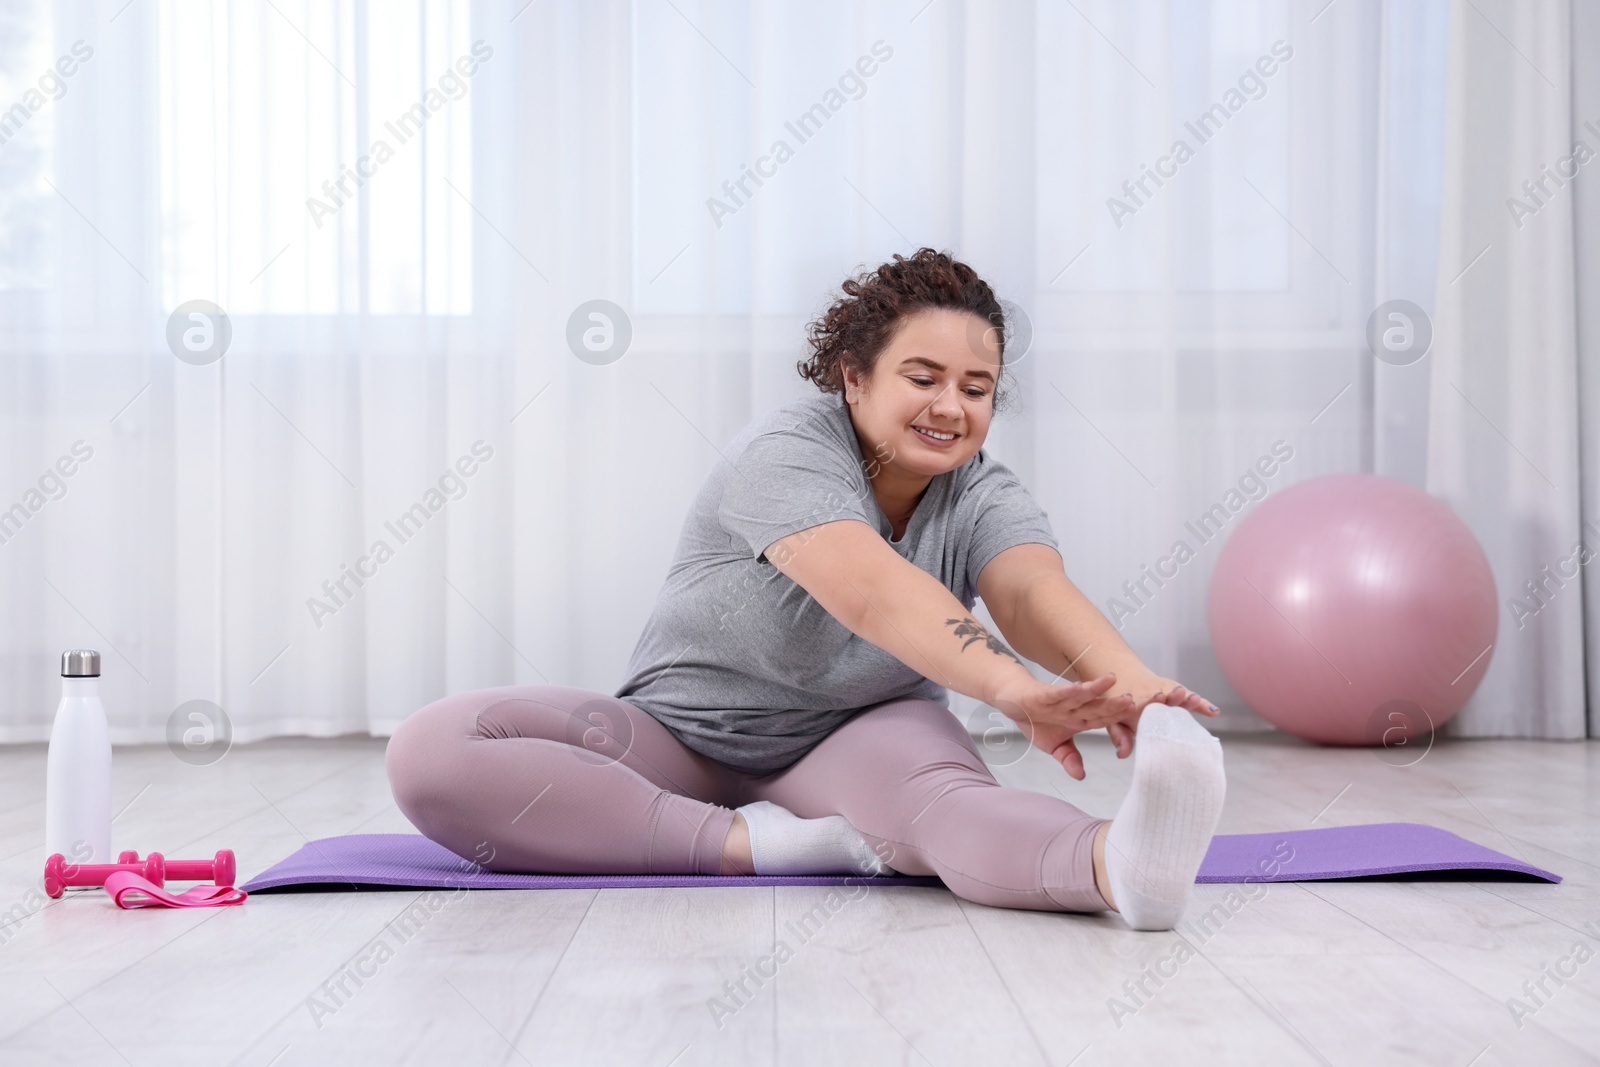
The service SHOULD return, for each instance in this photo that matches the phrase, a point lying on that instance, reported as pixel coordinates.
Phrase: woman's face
(938, 374)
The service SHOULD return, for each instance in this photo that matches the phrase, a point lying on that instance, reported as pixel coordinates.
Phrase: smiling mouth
(937, 436)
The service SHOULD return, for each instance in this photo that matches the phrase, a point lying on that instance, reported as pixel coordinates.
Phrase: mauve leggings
(557, 780)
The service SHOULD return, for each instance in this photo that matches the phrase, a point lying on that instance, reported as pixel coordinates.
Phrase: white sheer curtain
(1513, 444)
(602, 152)
(231, 153)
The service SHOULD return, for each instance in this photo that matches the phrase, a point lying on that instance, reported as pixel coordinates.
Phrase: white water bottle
(77, 784)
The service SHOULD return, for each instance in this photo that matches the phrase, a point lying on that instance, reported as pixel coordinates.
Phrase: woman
(785, 709)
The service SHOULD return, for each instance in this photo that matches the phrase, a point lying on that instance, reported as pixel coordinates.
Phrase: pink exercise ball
(1353, 609)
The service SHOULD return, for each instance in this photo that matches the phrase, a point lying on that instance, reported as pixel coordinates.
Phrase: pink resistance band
(146, 894)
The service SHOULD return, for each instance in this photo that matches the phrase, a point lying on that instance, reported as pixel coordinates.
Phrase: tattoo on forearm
(973, 630)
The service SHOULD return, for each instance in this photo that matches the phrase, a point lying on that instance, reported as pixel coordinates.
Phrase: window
(30, 86)
(316, 158)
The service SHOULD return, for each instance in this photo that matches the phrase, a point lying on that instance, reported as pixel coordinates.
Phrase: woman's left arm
(1046, 618)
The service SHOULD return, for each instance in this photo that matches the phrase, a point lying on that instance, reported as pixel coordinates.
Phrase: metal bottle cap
(80, 663)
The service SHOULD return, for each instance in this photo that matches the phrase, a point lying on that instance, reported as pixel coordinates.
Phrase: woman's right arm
(882, 597)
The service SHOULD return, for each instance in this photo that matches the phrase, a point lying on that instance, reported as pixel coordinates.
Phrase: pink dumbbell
(219, 870)
(58, 873)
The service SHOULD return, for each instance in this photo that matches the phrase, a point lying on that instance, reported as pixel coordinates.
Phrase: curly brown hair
(860, 324)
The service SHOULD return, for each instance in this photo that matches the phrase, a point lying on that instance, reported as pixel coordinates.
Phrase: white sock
(1161, 832)
(781, 842)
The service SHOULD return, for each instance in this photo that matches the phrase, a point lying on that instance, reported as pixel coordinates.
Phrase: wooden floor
(1330, 973)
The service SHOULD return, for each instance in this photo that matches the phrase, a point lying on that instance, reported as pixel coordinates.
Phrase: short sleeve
(1006, 515)
(783, 482)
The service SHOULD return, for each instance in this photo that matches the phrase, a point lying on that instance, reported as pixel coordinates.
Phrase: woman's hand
(1147, 689)
(1049, 715)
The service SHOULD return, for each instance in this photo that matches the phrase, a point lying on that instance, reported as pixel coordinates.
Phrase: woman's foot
(1161, 832)
(774, 840)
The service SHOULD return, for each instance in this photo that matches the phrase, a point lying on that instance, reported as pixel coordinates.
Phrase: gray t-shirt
(742, 664)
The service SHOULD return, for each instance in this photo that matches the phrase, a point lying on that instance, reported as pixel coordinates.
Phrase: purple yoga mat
(1383, 848)
(1390, 848)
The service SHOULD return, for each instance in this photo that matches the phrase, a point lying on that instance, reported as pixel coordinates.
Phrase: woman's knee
(422, 752)
(434, 768)
(428, 753)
